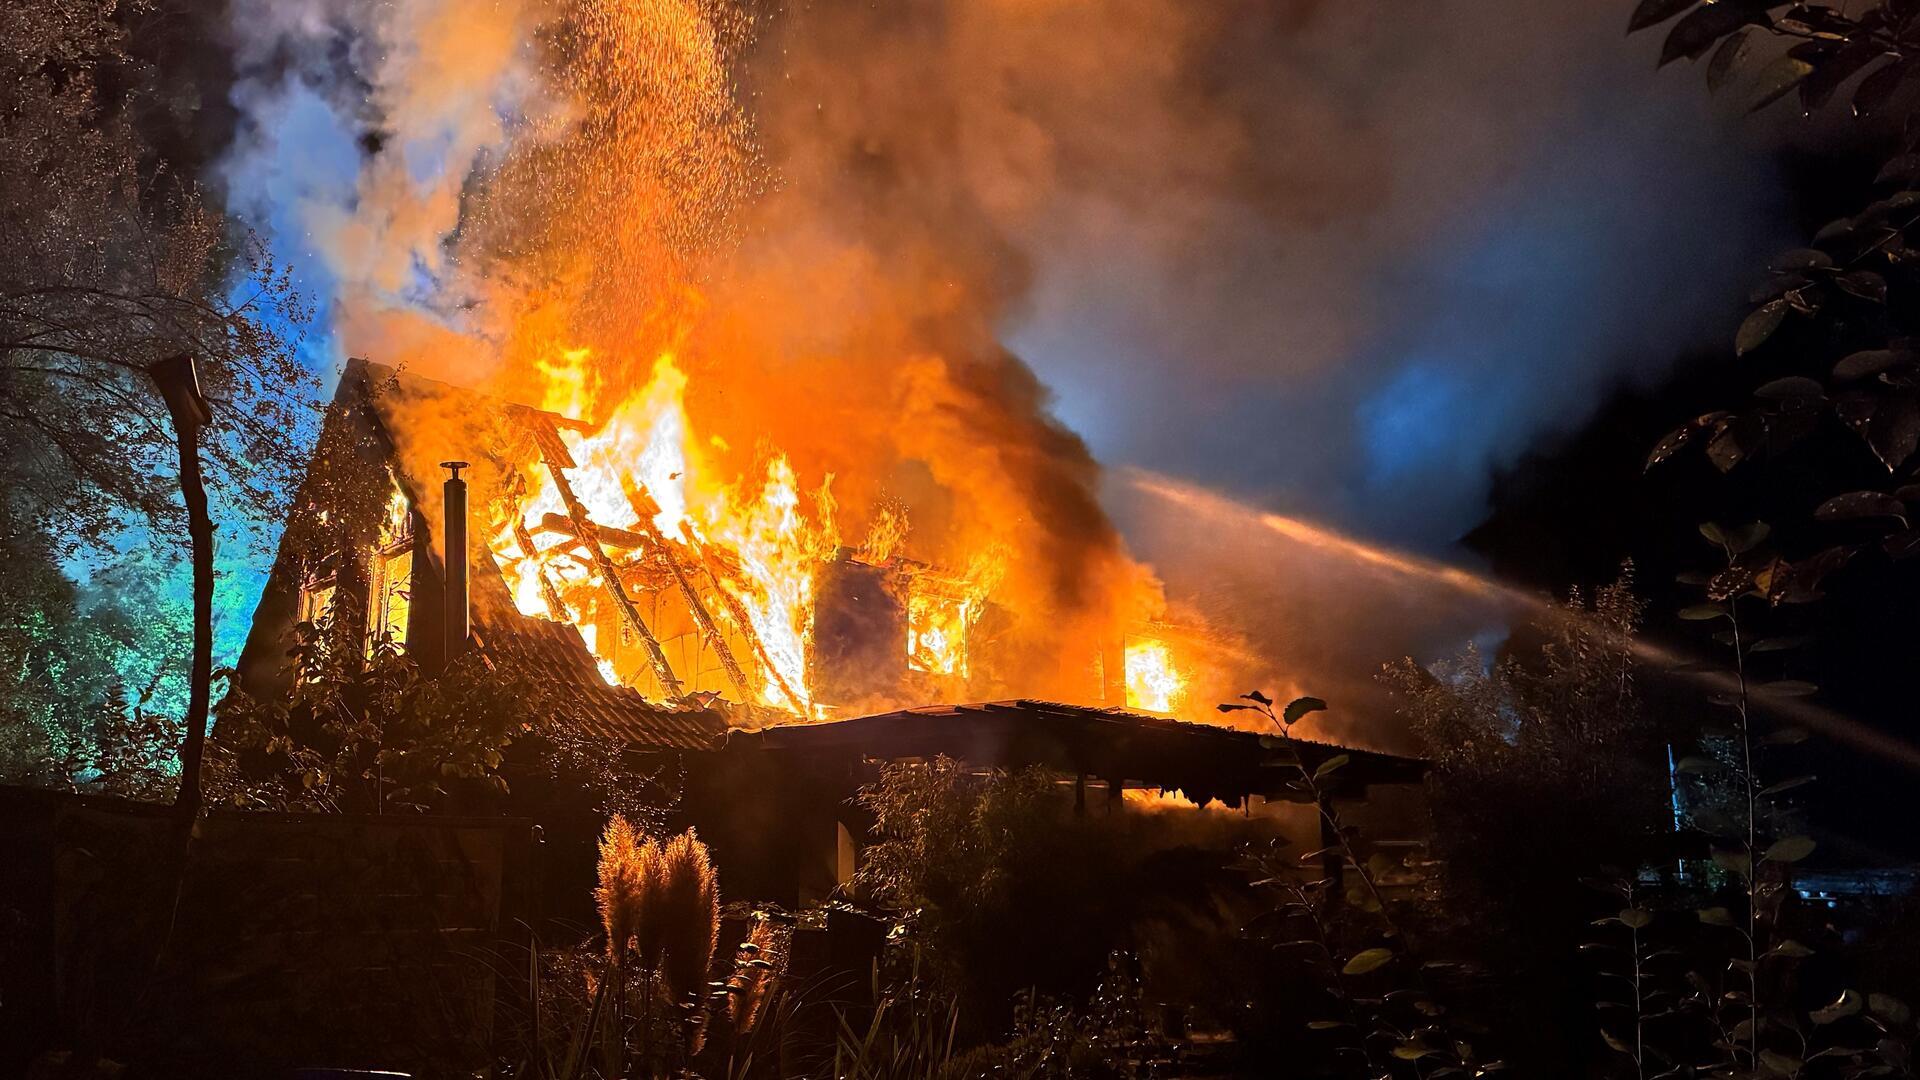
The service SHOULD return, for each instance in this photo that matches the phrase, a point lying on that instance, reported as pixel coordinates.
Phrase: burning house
(718, 627)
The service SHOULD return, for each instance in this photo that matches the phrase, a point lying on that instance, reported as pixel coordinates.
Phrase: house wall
(775, 825)
(784, 828)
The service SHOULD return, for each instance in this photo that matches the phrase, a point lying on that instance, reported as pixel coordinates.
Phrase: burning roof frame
(555, 651)
(1116, 745)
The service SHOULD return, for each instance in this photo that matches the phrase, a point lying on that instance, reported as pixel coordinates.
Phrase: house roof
(1203, 760)
(551, 652)
(556, 655)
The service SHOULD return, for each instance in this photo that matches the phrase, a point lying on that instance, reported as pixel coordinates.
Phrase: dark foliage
(1838, 310)
(84, 665)
(1548, 768)
(367, 732)
(1004, 889)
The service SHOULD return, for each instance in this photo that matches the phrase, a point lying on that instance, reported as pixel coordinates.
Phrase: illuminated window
(392, 597)
(317, 594)
(316, 599)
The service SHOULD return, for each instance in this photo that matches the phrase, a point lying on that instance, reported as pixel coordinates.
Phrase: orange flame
(749, 545)
(621, 227)
(1153, 682)
(768, 539)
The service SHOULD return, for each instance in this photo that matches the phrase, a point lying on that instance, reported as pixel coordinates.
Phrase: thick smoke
(631, 215)
(363, 123)
(1350, 258)
(1341, 257)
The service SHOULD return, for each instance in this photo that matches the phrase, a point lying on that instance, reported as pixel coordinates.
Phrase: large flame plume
(758, 369)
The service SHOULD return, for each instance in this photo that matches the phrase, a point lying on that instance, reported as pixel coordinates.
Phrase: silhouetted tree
(110, 261)
(1548, 769)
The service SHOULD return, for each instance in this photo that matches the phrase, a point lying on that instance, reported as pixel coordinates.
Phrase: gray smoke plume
(1342, 259)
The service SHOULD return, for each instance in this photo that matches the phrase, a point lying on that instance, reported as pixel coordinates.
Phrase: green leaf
(1300, 707)
(1789, 849)
(1788, 688)
(1654, 12)
(1864, 284)
(1636, 918)
(1326, 1025)
(1866, 362)
(1791, 388)
(1889, 1008)
(1847, 1004)
(1776, 79)
(1735, 440)
(1697, 764)
(1790, 948)
(1778, 1064)
(1684, 434)
(1791, 736)
(1878, 88)
(1727, 57)
(1702, 612)
(1745, 538)
(1828, 233)
(1777, 644)
(1328, 766)
(1366, 960)
(1834, 67)
(1785, 785)
(1862, 504)
(1903, 168)
(1737, 863)
(1759, 326)
(1693, 35)
(1715, 916)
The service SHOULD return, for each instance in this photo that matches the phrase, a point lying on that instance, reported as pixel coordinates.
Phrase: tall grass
(660, 907)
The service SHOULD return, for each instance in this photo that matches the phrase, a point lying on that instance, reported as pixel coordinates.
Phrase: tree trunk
(200, 679)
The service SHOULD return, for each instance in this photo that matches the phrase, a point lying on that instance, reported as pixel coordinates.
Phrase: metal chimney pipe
(458, 627)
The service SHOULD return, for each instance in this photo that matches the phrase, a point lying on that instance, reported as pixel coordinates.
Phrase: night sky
(1575, 505)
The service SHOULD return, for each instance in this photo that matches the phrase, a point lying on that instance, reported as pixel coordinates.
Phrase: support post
(1333, 864)
(179, 384)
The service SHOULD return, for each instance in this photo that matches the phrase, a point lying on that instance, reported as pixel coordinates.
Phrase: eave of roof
(1201, 759)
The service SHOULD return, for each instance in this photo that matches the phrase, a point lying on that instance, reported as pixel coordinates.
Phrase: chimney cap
(454, 467)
